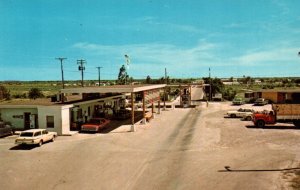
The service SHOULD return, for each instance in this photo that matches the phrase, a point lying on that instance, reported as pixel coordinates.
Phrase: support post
(152, 110)
(190, 98)
(144, 110)
(181, 97)
(132, 113)
(158, 111)
(62, 95)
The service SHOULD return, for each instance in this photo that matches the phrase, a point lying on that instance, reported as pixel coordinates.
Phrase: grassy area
(20, 88)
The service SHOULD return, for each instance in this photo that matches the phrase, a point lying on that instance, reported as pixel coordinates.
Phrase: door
(27, 120)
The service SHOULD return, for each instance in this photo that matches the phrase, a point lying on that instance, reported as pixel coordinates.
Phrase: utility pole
(81, 68)
(99, 76)
(62, 71)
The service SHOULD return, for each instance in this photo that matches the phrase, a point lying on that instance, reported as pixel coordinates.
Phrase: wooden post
(158, 111)
(164, 98)
(144, 110)
(180, 96)
(62, 95)
(190, 89)
(132, 113)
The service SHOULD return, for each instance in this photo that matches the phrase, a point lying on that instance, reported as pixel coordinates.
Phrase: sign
(18, 116)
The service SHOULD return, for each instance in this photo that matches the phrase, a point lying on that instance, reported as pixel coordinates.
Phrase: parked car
(5, 129)
(239, 113)
(95, 125)
(238, 101)
(261, 102)
(248, 116)
(35, 137)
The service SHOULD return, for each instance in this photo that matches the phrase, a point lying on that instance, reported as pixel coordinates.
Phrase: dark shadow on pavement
(281, 127)
(227, 169)
(114, 124)
(23, 147)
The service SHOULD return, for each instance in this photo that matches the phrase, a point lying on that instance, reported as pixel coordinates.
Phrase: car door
(45, 135)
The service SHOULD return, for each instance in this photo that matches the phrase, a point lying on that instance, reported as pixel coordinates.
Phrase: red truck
(284, 113)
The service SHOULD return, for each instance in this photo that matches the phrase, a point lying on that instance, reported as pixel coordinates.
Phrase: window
(45, 132)
(37, 133)
(50, 121)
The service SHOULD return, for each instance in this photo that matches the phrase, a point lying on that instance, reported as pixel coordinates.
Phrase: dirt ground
(182, 148)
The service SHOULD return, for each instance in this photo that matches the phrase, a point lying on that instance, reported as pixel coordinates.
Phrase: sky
(235, 38)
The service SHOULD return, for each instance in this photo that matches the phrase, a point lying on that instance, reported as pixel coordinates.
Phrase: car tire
(40, 143)
(297, 124)
(260, 123)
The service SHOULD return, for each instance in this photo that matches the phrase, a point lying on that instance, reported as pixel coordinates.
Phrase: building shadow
(228, 169)
(280, 127)
(115, 123)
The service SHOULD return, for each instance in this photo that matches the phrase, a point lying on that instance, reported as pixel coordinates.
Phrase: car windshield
(26, 134)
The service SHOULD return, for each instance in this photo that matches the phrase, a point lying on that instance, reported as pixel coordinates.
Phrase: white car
(239, 113)
(35, 137)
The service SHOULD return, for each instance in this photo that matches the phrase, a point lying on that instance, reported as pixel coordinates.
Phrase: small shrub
(35, 93)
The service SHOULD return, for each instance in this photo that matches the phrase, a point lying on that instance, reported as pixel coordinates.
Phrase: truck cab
(264, 117)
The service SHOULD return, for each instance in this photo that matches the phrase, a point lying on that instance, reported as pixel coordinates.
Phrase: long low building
(63, 116)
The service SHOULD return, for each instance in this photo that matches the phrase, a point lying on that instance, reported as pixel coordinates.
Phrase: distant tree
(216, 85)
(123, 76)
(4, 93)
(229, 93)
(148, 80)
(35, 93)
(247, 80)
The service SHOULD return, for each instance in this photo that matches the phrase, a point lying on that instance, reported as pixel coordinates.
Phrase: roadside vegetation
(22, 89)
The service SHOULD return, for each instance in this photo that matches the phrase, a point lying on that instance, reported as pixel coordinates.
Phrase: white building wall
(61, 118)
(7, 114)
(65, 120)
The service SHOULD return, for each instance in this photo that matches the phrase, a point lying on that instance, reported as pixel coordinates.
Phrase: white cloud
(275, 55)
(155, 56)
(151, 59)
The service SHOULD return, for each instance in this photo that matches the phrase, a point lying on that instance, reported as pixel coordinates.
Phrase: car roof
(33, 130)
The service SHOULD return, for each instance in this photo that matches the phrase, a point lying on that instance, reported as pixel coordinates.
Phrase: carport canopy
(113, 89)
(117, 89)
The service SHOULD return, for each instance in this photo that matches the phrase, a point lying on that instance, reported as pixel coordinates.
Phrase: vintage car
(238, 101)
(95, 125)
(239, 113)
(248, 116)
(5, 129)
(261, 102)
(35, 137)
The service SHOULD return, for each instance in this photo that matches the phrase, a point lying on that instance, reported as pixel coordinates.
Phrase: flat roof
(113, 89)
(296, 90)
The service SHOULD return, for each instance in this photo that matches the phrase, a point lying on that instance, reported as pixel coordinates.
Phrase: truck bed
(287, 111)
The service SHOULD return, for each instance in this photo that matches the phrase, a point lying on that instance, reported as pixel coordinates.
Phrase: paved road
(179, 149)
